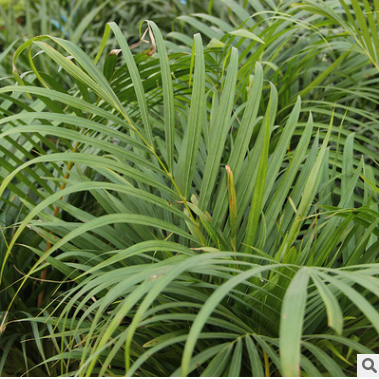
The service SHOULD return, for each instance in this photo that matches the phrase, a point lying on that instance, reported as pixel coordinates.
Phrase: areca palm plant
(210, 210)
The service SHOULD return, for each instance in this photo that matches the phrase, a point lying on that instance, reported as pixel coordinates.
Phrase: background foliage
(204, 203)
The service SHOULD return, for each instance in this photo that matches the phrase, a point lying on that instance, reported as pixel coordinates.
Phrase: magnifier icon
(369, 365)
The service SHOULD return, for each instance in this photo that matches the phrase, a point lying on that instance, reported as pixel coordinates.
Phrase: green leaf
(168, 97)
(215, 44)
(335, 317)
(291, 325)
(235, 364)
(255, 359)
(218, 363)
(137, 82)
(189, 153)
(219, 127)
(246, 34)
(256, 202)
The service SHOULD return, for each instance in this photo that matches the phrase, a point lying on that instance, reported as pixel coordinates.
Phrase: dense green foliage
(200, 205)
